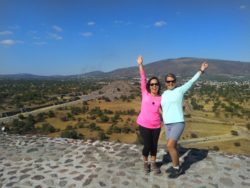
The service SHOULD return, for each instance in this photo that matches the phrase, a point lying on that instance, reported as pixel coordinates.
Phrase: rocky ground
(35, 161)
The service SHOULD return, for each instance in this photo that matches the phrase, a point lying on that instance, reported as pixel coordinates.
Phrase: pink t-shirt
(149, 116)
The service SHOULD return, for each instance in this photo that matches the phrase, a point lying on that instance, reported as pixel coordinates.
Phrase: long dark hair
(148, 84)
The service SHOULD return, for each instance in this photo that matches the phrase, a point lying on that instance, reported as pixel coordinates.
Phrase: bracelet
(202, 71)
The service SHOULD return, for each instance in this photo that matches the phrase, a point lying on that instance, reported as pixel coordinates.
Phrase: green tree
(47, 128)
(248, 126)
(102, 136)
(51, 114)
(69, 134)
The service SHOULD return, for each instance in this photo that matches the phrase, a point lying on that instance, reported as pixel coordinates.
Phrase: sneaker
(174, 173)
(155, 168)
(181, 160)
(169, 170)
(146, 168)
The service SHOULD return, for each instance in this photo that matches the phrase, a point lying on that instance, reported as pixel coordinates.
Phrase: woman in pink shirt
(149, 119)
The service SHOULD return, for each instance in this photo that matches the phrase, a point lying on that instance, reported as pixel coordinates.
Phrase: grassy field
(198, 125)
(240, 146)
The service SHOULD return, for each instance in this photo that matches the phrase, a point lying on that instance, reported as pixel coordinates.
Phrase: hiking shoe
(155, 168)
(146, 168)
(174, 173)
(181, 160)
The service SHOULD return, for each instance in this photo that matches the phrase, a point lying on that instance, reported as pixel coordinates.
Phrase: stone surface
(55, 162)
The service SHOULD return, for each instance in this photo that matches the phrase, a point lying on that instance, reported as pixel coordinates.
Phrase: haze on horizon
(63, 37)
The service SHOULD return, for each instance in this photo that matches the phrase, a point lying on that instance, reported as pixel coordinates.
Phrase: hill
(184, 67)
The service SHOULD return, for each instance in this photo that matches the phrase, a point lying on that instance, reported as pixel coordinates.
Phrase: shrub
(80, 125)
(40, 117)
(85, 103)
(187, 115)
(126, 129)
(96, 111)
(131, 112)
(69, 134)
(22, 127)
(108, 111)
(21, 116)
(31, 118)
(216, 148)
(102, 136)
(115, 118)
(237, 144)
(64, 118)
(51, 114)
(193, 135)
(93, 127)
(248, 126)
(76, 110)
(81, 136)
(48, 128)
(104, 118)
(234, 133)
(106, 99)
(114, 129)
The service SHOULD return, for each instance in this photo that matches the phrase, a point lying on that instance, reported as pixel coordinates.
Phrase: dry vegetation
(216, 113)
(115, 106)
(199, 125)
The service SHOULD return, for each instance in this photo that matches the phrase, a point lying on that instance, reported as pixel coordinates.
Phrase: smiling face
(170, 82)
(154, 87)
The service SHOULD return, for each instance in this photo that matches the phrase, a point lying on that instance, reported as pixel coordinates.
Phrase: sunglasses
(170, 81)
(154, 84)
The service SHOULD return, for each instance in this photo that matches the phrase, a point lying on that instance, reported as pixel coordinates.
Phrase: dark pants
(150, 139)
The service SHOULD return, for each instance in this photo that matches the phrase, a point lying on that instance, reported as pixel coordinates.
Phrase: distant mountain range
(184, 67)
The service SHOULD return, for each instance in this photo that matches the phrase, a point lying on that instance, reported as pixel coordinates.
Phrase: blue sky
(64, 37)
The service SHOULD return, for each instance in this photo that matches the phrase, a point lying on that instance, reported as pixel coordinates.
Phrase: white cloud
(9, 42)
(6, 32)
(243, 6)
(160, 23)
(55, 36)
(57, 28)
(87, 34)
(91, 23)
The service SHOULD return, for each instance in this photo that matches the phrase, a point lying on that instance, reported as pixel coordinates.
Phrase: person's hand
(204, 66)
(139, 60)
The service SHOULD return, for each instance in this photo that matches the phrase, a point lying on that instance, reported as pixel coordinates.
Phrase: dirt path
(45, 109)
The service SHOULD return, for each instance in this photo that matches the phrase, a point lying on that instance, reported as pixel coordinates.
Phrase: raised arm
(189, 84)
(142, 74)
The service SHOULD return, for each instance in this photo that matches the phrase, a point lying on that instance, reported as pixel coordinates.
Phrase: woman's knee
(171, 145)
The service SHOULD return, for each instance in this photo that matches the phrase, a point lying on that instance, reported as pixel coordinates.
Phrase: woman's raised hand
(139, 60)
(204, 66)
